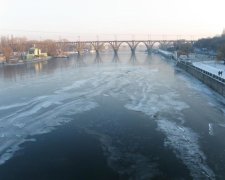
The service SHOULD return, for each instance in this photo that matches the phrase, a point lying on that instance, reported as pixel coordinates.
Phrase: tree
(210, 43)
(6, 49)
(183, 48)
(221, 53)
(7, 52)
(47, 46)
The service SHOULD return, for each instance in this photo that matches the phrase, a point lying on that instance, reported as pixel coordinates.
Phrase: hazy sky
(71, 18)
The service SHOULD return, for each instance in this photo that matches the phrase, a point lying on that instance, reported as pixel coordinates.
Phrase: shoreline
(26, 62)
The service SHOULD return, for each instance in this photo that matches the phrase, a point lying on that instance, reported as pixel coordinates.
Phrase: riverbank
(22, 62)
(212, 67)
(213, 81)
(205, 71)
(166, 54)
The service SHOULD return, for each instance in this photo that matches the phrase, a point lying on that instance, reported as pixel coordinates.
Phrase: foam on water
(42, 113)
(37, 116)
(17, 105)
(184, 143)
(12, 106)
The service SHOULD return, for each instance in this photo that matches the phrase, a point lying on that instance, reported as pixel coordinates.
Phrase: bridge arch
(132, 45)
(116, 45)
(156, 42)
(97, 45)
(147, 44)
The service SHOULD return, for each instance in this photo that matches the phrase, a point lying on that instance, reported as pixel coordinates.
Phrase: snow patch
(211, 66)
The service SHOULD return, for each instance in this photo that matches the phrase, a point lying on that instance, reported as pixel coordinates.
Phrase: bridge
(79, 46)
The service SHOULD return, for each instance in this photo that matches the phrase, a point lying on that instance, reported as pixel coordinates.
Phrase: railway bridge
(79, 46)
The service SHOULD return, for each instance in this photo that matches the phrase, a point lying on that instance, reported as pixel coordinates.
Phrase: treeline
(211, 43)
(216, 44)
(11, 47)
(181, 47)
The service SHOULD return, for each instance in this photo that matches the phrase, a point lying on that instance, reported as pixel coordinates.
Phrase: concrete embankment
(213, 81)
(166, 54)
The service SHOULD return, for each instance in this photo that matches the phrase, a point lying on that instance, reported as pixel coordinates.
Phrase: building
(35, 53)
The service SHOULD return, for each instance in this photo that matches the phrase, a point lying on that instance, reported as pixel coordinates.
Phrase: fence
(213, 81)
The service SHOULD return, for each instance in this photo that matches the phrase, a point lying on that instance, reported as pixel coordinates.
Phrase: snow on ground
(211, 66)
(165, 52)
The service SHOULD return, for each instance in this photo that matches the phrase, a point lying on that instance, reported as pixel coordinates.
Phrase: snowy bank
(214, 81)
(212, 67)
(166, 53)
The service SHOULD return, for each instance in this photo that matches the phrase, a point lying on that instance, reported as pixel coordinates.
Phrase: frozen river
(109, 118)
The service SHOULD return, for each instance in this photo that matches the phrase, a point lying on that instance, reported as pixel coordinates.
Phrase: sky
(112, 19)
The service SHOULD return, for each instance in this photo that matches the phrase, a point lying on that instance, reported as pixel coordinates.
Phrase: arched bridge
(79, 46)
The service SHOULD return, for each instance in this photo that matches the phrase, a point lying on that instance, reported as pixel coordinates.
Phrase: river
(109, 117)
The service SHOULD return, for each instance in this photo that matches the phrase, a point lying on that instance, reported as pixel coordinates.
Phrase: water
(109, 117)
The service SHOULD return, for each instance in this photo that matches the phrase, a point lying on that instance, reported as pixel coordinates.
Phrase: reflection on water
(38, 67)
(115, 58)
(79, 61)
(133, 59)
(15, 72)
(98, 59)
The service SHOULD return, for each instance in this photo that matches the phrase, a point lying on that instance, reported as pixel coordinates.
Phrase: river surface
(108, 117)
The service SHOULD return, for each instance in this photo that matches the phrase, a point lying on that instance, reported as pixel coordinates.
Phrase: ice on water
(140, 91)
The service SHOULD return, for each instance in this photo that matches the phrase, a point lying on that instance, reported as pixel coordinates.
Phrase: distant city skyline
(103, 19)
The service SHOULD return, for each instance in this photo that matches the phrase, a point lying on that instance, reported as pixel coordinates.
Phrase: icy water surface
(126, 117)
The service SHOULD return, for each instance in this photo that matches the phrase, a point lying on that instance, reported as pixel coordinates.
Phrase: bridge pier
(149, 50)
(98, 59)
(149, 45)
(133, 59)
(79, 47)
(115, 52)
(133, 50)
(97, 46)
(133, 45)
(97, 52)
(115, 46)
(115, 58)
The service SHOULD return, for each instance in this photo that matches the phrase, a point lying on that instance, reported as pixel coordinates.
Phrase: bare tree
(183, 48)
(6, 48)
(48, 46)
(221, 53)
(7, 52)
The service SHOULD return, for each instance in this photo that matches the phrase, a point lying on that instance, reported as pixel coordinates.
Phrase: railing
(220, 79)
